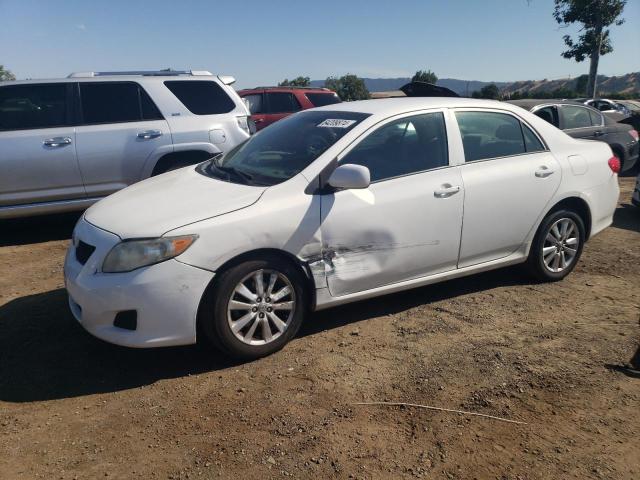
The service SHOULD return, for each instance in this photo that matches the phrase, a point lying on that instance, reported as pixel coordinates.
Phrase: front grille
(84, 251)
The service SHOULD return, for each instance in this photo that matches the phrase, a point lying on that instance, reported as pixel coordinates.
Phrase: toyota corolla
(333, 205)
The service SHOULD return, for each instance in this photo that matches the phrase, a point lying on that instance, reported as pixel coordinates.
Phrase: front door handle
(446, 190)
(598, 133)
(57, 142)
(148, 134)
(543, 172)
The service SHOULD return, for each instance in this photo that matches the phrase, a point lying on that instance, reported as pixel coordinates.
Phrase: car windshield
(282, 150)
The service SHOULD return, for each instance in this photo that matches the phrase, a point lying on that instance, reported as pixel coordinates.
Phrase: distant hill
(629, 83)
(388, 84)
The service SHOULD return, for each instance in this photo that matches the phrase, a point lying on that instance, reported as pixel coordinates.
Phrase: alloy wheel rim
(561, 245)
(261, 307)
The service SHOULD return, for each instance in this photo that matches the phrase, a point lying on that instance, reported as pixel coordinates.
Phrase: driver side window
(402, 147)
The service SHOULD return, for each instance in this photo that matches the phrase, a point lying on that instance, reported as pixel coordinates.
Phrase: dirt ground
(550, 355)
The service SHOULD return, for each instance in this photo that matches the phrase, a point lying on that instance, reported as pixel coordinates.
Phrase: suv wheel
(255, 308)
(557, 246)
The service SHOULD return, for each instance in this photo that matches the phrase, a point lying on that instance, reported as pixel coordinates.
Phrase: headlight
(132, 254)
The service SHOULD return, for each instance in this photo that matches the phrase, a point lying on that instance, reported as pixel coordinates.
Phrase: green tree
(6, 74)
(296, 82)
(595, 16)
(490, 91)
(581, 84)
(348, 87)
(425, 76)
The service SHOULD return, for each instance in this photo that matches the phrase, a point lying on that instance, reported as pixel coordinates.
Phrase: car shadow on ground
(45, 354)
(24, 231)
(627, 217)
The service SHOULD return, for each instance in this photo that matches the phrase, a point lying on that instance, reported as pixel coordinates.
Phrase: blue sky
(262, 42)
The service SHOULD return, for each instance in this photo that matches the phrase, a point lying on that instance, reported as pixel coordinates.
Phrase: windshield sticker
(336, 123)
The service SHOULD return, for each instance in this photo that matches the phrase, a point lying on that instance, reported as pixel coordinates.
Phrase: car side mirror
(350, 176)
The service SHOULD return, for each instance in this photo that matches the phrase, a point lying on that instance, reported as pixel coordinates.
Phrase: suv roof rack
(145, 73)
(292, 87)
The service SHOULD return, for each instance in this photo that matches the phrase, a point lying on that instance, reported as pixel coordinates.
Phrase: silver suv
(66, 143)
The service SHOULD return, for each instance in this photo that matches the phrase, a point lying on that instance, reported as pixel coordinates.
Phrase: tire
(552, 245)
(263, 325)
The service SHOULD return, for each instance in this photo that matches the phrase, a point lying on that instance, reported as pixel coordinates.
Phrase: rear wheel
(255, 308)
(557, 246)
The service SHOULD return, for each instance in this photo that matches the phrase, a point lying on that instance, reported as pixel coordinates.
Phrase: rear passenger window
(491, 135)
(109, 102)
(33, 106)
(116, 102)
(201, 97)
(531, 142)
(574, 117)
(281, 102)
(596, 118)
(149, 109)
(322, 99)
(405, 146)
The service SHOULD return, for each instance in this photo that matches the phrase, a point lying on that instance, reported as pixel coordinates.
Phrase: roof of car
(124, 77)
(529, 103)
(288, 89)
(391, 106)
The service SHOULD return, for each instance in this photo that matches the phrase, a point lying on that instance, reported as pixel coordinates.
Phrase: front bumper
(164, 296)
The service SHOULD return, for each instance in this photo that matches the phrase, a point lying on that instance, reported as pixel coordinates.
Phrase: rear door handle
(148, 134)
(57, 142)
(598, 133)
(543, 172)
(446, 190)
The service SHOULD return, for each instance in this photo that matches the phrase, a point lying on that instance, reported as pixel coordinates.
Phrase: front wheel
(255, 308)
(557, 246)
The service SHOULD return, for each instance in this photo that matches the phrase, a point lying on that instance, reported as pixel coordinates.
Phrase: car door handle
(258, 120)
(598, 133)
(446, 190)
(544, 172)
(148, 134)
(57, 142)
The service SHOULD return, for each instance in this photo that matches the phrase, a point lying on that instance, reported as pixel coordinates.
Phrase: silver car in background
(66, 143)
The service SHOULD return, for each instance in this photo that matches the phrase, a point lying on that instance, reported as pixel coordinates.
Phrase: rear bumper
(632, 156)
(603, 201)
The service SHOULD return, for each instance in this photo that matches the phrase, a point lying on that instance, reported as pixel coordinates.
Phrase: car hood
(154, 206)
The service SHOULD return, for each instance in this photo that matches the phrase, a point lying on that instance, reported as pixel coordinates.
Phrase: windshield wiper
(238, 173)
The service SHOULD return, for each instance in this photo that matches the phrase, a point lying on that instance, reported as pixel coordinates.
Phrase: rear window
(33, 106)
(575, 117)
(116, 102)
(201, 97)
(322, 99)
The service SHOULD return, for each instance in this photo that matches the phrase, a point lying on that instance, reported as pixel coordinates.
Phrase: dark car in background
(580, 121)
(270, 104)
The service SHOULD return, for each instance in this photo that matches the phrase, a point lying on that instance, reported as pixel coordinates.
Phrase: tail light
(614, 164)
(634, 134)
(243, 123)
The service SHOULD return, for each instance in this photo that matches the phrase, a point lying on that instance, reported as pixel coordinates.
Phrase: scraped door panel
(395, 230)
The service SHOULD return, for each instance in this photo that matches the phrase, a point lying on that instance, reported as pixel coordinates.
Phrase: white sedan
(332, 205)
